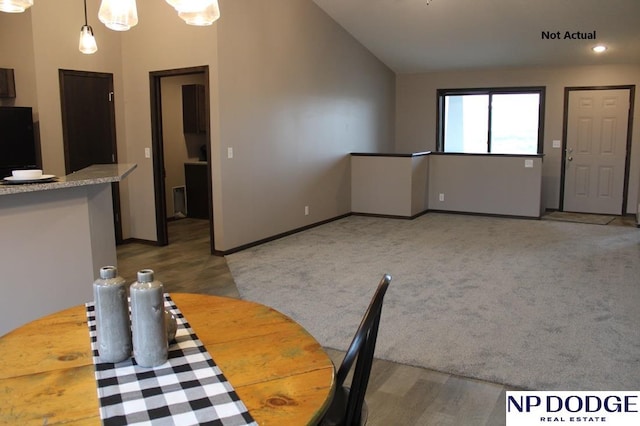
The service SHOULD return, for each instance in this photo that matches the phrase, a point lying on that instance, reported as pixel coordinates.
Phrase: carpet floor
(543, 305)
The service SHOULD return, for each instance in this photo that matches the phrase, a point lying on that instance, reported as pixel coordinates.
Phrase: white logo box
(533, 408)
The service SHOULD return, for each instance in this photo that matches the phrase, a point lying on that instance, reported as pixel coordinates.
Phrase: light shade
(199, 12)
(175, 3)
(15, 6)
(87, 40)
(118, 15)
(599, 48)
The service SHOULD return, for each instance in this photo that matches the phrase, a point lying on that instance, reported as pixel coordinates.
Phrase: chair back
(362, 348)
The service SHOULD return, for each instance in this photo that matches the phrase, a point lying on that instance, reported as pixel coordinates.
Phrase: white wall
(416, 110)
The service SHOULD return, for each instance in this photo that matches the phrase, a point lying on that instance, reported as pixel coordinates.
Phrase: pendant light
(15, 6)
(197, 12)
(118, 15)
(87, 40)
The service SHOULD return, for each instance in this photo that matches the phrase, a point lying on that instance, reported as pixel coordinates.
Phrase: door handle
(569, 158)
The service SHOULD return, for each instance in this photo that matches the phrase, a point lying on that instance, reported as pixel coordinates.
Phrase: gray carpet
(537, 304)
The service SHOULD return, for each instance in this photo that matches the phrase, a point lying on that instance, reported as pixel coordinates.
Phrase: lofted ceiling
(414, 36)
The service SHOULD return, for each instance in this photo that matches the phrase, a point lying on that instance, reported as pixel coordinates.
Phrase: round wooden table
(280, 371)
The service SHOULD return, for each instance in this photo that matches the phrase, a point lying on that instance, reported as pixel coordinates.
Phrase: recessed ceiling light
(599, 48)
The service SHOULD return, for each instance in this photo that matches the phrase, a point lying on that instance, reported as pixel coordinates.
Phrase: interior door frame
(157, 146)
(115, 187)
(627, 163)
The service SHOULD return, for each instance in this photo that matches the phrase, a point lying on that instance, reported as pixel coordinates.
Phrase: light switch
(557, 143)
(229, 152)
(528, 164)
(147, 153)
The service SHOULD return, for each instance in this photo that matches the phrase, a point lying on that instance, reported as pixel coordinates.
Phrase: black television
(17, 140)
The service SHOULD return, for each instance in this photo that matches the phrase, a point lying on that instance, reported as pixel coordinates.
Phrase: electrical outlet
(306, 210)
(229, 152)
(441, 198)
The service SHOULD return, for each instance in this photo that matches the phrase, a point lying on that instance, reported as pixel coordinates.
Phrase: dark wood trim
(473, 154)
(441, 93)
(541, 111)
(391, 216)
(313, 225)
(157, 147)
(627, 166)
(427, 153)
(7, 83)
(140, 241)
(278, 236)
(109, 76)
(439, 115)
(115, 187)
(155, 78)
(377, 154)
(506, 216)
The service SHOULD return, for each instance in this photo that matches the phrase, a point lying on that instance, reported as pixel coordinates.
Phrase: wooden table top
(280, 372)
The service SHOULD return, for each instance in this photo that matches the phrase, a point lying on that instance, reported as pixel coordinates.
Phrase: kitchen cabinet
(194, 109)
(195, 174)
(7, 83)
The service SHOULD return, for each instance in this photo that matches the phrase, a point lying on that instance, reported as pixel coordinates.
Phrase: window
(495, 121)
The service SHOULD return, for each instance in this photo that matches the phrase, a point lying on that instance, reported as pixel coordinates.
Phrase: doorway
(597, 141)
(89, 126)
(198, 152)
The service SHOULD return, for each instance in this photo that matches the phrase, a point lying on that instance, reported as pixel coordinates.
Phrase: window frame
(490, 91)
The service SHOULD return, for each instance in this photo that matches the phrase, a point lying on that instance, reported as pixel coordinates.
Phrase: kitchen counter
(55, 238)
(92, 175)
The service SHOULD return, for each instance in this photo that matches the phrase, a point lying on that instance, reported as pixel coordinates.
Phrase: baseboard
(139, 241)
(278, 236)
(506, 216)
(390, 216)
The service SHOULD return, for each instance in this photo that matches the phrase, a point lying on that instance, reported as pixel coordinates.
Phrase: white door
(596, 150)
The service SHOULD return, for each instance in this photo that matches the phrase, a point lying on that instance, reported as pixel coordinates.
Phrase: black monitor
(17, 141)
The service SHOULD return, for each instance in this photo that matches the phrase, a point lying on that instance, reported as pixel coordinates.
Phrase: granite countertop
(92, 175)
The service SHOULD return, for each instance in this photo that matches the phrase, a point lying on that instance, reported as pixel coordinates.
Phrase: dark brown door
(88, 126)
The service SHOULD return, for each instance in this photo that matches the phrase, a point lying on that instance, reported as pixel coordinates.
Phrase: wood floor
(397, 395)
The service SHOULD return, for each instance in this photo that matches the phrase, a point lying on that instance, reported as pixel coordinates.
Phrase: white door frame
(567, 91)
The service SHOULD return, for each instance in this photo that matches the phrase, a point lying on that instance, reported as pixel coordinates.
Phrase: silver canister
(148, 326)
(112, 316)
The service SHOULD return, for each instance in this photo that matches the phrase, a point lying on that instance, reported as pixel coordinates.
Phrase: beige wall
(54, 243)
(297, 95)
(55, 46)
(409, 185)
(489, 184)
(16, 51)
(178, 147)
(416, 110)
(160, 41)
(37, 46)
(384, 185)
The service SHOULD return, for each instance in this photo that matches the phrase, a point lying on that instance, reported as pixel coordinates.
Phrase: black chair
(348, 407)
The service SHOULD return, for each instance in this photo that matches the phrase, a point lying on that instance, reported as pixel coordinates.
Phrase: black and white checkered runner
(189, 389)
